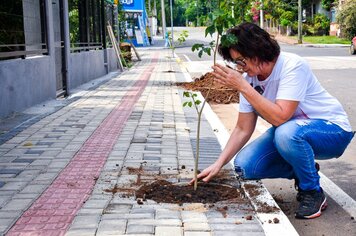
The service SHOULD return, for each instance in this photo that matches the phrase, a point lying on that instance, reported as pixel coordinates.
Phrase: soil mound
(219, 93)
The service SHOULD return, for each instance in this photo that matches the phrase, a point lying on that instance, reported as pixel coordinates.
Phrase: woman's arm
(242, 132)
(275, 113)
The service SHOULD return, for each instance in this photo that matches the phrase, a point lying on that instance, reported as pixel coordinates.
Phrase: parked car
(353, 46)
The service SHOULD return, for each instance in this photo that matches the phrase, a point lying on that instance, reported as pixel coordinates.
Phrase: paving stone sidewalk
(73, 172)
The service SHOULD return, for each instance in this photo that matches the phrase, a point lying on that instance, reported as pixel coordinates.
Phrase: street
(336, 70)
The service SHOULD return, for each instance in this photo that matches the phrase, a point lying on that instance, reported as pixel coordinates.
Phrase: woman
(307, 122)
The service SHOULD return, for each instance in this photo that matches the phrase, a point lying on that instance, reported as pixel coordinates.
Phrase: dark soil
(223, 210)
(219, 94)
(222, 193)
(164, 191)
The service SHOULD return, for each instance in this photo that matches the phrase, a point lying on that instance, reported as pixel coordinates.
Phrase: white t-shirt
(293, 79)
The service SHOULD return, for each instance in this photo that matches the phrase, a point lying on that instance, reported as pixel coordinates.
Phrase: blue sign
(127, 3)
(133, 5)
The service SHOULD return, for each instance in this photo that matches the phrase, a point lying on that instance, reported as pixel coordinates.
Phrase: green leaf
(200, 54)
(185, 104)
(186, 94)
(220, 29)
(228, 39)
(211, 16)
(197, 46)
(194, 95)
(210, 30)
(218, 12)
(207, 51)
(190, 104)
(197, 102)
(232, 38)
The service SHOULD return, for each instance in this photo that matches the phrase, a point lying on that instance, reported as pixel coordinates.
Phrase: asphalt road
(336, 71)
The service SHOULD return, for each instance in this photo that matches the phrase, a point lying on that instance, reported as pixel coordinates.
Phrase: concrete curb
(315, 45)
(324, 45)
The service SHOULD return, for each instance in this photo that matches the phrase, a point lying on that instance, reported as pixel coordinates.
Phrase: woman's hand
(228, 77)
(207, 174)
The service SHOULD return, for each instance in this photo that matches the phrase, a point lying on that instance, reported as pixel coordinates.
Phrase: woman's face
(250, 66)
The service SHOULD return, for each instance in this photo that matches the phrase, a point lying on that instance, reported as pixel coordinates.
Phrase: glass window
(22, 28)
(110, 17)
(85, 25)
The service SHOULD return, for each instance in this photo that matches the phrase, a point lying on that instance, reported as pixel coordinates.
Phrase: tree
(241, 7)
(327, 4)
(219, 21)
(346, 17)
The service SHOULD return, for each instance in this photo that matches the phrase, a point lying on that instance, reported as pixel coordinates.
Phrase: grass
(324, 40)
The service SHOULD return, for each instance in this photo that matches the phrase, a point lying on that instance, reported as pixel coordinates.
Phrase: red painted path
(53, 212)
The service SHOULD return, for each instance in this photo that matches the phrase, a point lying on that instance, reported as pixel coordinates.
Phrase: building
(334, 26)
(136, 22)
(50, 47)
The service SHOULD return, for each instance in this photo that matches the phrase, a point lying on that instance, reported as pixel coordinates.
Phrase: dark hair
(252, 42)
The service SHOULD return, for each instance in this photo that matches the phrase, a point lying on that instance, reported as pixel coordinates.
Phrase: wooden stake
(134, 48)
(116, 47)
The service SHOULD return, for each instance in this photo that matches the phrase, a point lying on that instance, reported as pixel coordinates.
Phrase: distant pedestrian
(307, 122)
(167, 40)
(148, 32)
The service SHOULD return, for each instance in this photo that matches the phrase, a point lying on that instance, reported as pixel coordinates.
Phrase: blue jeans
(288, 151)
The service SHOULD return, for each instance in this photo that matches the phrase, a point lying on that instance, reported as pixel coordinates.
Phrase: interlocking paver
(199, 233)
(236, 227)
(111, 227)
(140, 229)
(196, 226)
(167, 214)
(82, 232)
(191, 216)
(17, 185)
(10, 172)
(17, 204)
(233, 233)
(86, 221)
(164, 231)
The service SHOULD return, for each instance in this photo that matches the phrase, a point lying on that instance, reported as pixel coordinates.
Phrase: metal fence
(22, 29)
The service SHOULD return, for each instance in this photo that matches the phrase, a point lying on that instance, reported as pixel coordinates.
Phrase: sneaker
(311, 205)
(296, 183)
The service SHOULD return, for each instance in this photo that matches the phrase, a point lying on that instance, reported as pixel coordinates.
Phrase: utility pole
(232, 9)
(172, 43)
(170, 2)
(196, 4)
(163, 19)
(261, 14)
(300, 22)
(154, 20)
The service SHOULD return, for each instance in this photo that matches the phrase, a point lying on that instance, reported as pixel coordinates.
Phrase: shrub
(321, 24)
(287, 18)
(346, 17)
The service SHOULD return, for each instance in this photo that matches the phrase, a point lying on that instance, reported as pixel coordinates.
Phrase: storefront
(136, 25)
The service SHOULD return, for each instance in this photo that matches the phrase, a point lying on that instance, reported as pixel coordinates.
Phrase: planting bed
(164, 191)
